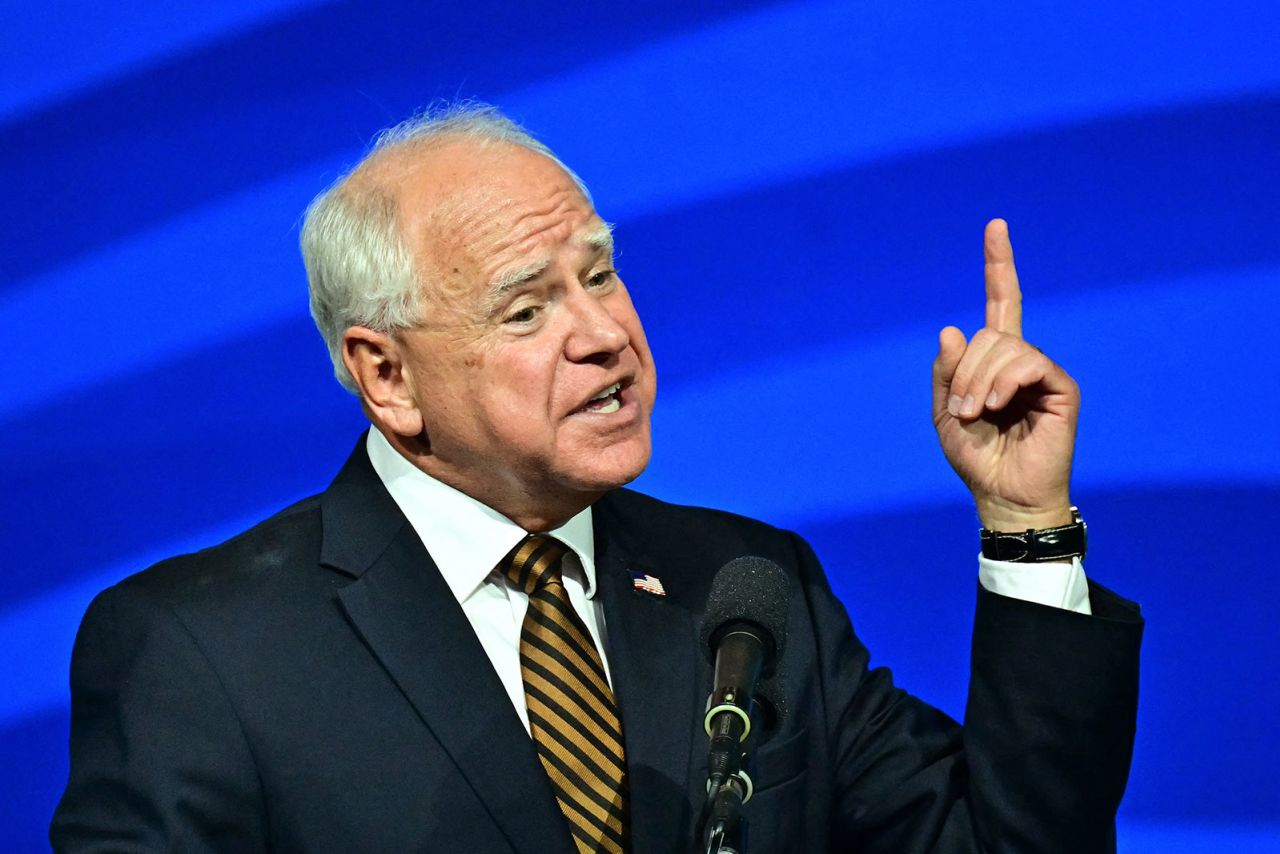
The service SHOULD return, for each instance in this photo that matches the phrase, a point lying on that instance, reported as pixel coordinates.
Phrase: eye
(602, 278)
(524, 315)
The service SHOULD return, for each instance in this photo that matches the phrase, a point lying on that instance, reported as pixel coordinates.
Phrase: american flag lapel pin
(647, 583)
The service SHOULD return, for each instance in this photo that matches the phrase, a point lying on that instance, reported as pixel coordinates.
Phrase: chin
(613, 468)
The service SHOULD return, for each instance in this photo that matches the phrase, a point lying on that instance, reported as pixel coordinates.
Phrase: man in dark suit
(375, 669)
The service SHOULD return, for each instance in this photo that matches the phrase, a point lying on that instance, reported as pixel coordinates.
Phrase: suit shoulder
(631, 502)
(719, 531)
(288, 538)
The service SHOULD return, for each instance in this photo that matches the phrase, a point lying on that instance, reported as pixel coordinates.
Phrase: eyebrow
(512, 279)
(598, 238)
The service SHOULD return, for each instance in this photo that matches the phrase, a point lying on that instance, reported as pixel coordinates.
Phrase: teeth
(606, 401)
(613, 389)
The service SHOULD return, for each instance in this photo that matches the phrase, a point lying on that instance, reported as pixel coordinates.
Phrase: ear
(377, 365)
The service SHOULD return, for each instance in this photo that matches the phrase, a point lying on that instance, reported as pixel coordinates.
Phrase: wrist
(999, 515)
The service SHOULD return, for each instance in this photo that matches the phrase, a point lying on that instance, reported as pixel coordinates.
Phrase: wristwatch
(1037, 545)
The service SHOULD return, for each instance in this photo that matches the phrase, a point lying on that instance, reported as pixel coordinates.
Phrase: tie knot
(534, 561)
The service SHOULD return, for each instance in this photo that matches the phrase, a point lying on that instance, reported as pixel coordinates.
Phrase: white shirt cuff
(1058, 585)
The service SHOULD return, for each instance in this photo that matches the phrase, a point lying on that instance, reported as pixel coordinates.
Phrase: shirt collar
(466, 538)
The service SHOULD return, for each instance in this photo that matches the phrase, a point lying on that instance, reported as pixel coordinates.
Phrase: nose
(597, 335)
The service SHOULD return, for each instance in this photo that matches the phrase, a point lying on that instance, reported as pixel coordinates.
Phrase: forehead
(470, 212)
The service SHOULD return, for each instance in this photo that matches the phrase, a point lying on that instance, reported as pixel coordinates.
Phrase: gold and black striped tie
(573, 718)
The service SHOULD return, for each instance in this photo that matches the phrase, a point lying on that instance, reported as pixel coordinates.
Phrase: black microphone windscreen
(748, 589)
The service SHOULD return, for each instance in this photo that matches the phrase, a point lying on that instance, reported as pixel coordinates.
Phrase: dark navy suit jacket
(312, 685)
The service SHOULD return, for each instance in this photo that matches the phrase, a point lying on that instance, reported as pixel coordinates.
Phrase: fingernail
(966, 406)
(992, 398)
(953, 405)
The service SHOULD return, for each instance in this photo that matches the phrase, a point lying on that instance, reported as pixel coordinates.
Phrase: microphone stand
(728, 785)
(726, 828)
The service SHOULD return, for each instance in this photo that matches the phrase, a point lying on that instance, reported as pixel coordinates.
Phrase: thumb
(951, 346)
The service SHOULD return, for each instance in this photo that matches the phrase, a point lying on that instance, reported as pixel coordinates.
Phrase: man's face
(531, 369)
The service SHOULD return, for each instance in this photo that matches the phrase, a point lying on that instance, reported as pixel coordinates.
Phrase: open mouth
(608, 400)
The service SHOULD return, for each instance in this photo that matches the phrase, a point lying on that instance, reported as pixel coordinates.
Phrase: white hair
(359, 270)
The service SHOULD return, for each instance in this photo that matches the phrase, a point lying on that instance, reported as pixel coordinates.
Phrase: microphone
(743, 634)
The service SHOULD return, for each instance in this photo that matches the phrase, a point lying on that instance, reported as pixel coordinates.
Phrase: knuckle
(1009, 346)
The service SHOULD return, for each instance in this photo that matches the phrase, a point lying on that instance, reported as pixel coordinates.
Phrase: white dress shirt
(467, 539)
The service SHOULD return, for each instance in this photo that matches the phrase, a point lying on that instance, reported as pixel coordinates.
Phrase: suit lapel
(403, 610)
(652, 648)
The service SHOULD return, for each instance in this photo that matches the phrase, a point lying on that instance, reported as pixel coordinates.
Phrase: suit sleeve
(159, 761)
(1041, 761)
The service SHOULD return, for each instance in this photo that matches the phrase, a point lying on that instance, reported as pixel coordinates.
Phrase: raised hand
(1006, 413)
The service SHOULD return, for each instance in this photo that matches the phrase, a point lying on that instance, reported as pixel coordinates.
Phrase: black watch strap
(1037, 545)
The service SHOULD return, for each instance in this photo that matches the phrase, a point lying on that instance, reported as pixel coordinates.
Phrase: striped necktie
(573, 718)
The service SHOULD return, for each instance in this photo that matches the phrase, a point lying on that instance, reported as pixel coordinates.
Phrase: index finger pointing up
(1004, 297)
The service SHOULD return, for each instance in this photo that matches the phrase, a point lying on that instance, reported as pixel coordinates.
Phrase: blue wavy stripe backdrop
(799, 191)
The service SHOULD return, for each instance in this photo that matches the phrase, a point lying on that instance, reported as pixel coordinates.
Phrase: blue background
(799, 191)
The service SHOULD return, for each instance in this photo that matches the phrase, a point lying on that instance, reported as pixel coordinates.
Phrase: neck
(536, 511)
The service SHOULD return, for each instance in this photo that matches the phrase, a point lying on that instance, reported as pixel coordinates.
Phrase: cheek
(526, 380)
(640, 344)
(624, 313)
